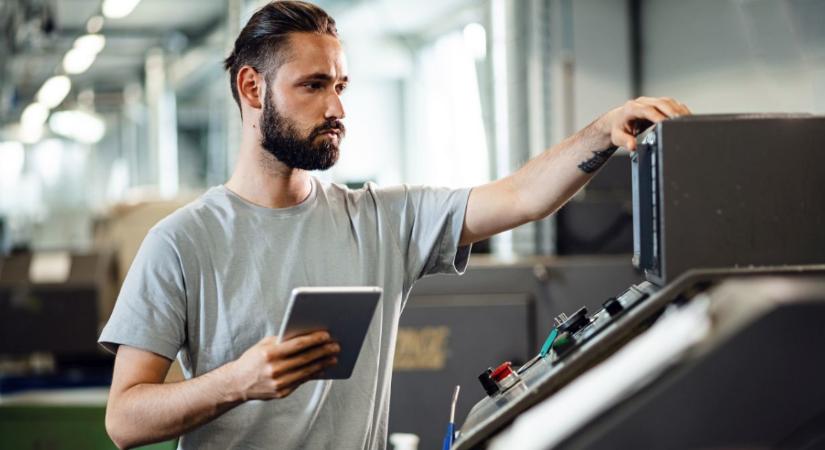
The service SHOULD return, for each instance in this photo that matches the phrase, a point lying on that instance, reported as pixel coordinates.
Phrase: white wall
(736, 56)
(601, 51)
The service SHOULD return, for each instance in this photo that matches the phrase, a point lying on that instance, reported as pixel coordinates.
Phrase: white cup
(404, 441)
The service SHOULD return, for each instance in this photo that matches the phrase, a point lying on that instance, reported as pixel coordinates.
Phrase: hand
(622, 123)
(274, 370)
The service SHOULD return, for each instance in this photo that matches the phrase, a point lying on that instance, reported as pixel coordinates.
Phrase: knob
(501, 372)
(575, 322)
(490, 386)
(612, 306)
(563, 343)
(504, 376)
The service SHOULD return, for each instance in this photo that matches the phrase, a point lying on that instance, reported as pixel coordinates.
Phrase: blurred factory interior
(113, 114)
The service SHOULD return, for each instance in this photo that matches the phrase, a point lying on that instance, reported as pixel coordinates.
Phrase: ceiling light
(92, 43)
(78, 60)
(54, 90)
(31, 122)
(34, 114)
(94, 24)
(79, 125)
(116, 9)
(83, 54)
(475, 38)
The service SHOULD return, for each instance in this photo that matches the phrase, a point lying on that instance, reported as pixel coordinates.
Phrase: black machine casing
(719, 191)
(715, 199)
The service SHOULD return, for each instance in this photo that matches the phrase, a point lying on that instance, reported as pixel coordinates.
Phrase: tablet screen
(345, 312)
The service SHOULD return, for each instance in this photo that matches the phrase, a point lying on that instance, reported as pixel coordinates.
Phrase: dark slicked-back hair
(262, 44)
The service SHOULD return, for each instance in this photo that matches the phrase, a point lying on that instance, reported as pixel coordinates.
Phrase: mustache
(330, 125)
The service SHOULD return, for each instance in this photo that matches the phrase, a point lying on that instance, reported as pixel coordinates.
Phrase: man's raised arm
(549, 180)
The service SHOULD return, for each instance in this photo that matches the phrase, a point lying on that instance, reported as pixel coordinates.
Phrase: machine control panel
(506, 386)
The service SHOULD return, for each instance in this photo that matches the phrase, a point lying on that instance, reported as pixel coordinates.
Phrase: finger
(642, 110)
(680, 107)
(282, 393)
(307, 357)
(300, 343)
(296, 377)
(666, 106)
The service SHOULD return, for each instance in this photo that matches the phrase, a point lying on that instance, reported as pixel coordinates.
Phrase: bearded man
(211, 282)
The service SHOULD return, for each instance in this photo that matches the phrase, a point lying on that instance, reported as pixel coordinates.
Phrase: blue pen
(450, 437)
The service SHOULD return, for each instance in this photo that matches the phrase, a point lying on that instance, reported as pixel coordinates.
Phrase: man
(210, 282)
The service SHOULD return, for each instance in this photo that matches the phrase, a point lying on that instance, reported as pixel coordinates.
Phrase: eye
(314, 85)
(341, 88)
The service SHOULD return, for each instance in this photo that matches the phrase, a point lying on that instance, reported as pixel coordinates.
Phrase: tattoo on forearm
(597, 161)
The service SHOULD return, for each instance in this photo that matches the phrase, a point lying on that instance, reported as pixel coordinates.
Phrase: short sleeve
(427, 222)
(150, 311)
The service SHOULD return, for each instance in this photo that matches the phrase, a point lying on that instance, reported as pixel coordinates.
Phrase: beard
(280, 138)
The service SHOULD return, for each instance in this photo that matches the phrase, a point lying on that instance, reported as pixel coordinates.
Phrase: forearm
(539, 188)
(550, 179)
(149, 412)
(547, 181)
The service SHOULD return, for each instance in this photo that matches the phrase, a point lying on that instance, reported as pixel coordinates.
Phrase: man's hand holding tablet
(272, 369)
(317, 323)
(345, 312)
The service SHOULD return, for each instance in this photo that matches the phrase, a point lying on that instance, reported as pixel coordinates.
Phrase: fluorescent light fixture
(54, 90)
(475, 37)
(78, 61)
(83, 54)
(92, 43)
(79, 125)
(116, 9)
(34, 114)
(94, 24)
(12, 157)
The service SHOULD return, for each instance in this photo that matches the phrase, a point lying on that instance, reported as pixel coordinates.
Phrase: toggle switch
(613, 306)
(564, 343)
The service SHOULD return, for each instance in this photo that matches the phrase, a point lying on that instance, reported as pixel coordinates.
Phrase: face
(302, 110)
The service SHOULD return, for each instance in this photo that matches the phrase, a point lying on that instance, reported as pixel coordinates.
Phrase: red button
(502, 371)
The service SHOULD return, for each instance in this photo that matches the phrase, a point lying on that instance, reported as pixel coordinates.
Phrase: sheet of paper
(50, 267)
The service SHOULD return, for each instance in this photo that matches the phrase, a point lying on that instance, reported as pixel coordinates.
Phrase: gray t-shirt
(213, 278)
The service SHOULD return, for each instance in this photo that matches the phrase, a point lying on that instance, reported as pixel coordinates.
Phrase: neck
(261, 179)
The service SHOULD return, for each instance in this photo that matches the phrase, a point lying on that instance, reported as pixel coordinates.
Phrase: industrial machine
(729, 229)
(51, 308)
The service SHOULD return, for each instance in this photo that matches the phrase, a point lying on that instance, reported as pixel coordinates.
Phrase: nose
(335, 108)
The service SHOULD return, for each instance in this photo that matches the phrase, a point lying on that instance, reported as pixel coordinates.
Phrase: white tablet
(345, 312)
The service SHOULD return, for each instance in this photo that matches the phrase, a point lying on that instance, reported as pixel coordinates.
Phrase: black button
(575, 322)
(490, 386)
(612, 306)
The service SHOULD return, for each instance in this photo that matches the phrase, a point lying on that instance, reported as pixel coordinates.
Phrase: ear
(250, 85)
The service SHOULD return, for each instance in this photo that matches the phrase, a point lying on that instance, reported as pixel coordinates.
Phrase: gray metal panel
(756, 382)
(740, 191)
(611, 338)
(562, 284)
